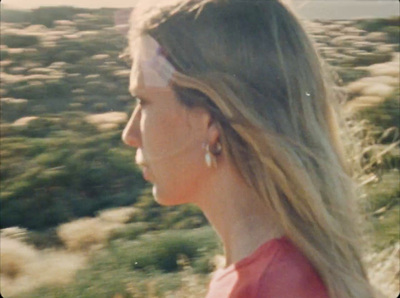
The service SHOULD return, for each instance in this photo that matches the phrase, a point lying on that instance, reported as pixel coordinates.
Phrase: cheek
(176, 160)
(166, 136)
(178, 182)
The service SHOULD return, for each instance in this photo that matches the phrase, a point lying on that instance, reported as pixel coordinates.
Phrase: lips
(143, 166)
(146, 173)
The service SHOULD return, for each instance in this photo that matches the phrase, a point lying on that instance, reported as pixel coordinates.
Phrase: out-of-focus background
(77, 219)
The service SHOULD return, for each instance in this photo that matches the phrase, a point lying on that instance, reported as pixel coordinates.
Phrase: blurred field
(90, 226)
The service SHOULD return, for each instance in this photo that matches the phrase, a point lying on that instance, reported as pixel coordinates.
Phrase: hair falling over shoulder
(251, 64)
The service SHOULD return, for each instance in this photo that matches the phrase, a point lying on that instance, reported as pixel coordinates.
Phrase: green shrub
(386, 231)
(14, 16)
(68, 174)
(47, 15)
(44, 239)
(378, 24)
(384, 193)
(35, 90)
(130, 231)
(100, 107)
(70, 55)
(393, 34)
(161, 251)
(203, 265)
(367, 59)
(57, 89)
(349, 74)
(19, 40)
(4, 54)
(383, 207)
(385, 114)
(178, 217)
(39, 128)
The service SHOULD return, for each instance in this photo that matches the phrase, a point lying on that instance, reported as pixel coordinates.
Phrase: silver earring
(210, 157)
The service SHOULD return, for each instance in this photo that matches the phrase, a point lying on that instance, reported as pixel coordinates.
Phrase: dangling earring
(210, 157)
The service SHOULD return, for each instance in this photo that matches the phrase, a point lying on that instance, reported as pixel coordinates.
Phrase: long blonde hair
(251, 64)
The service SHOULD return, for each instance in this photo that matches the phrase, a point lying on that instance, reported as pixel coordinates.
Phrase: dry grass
(10, 100)
(384, 270)
(390, 68)
(362, 102)
(118, 215)
(85, 234)
(388, 80)
(14, 257)
(366, 153)
(382, 86)
(14, 233)
(107, 121)
(376, 36)
(378, 89)
(367, 157)
(24, 121)
(24, 268)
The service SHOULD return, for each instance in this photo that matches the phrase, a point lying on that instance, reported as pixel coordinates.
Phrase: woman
(233, 115)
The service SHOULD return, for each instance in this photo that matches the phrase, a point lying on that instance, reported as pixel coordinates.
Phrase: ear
(213, 131)
(204, 125)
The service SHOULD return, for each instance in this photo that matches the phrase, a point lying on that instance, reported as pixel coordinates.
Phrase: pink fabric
(277, 269)
(151, 64)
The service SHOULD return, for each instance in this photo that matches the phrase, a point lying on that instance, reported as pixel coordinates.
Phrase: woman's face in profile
(169, 139)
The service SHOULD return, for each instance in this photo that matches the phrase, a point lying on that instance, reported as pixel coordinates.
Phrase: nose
(131, 133)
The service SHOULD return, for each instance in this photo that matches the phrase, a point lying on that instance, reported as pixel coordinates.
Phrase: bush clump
(162, 251)
(372, 25)
(386, 114)
(368, 59)
(19, 40)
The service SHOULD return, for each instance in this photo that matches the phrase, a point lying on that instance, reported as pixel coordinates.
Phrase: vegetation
(380, 24)
(391, 26)
(386, 114)
(58, 85)
(151, 266)
(64, 102)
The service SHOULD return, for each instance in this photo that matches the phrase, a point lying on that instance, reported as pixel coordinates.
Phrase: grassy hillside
(64, 102)
(60, 66)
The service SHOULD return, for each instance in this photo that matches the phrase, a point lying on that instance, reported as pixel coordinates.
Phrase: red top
(277, 269)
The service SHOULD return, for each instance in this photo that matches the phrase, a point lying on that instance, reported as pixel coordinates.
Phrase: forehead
(139, 89)
(150, 68)
(136, 84)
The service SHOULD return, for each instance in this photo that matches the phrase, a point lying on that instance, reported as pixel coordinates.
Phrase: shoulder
(290, 274)
(276, 270)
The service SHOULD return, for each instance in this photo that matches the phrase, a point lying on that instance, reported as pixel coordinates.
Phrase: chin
(165, 199)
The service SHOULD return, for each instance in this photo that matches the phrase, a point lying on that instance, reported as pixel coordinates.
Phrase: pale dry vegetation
(24, 268)
(384, 270)
(24, 120)
(107, 121)
(85, 233)
(118, 215)
(390, 68)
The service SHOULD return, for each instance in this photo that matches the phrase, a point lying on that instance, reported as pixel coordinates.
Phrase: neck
(238, 215)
